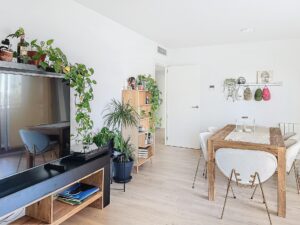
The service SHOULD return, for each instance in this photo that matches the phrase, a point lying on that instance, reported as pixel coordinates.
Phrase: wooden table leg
(281, 196)
(211, 171)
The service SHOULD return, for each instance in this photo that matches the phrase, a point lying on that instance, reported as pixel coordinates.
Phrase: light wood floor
(161, 194)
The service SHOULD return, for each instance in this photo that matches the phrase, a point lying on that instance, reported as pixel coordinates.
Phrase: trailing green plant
(120, 114)
(155, 99)
(103, 137)
(79, 77)
(123, 146)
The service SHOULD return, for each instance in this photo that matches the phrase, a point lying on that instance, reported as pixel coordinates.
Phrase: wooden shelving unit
(137, 99)
(48, 210)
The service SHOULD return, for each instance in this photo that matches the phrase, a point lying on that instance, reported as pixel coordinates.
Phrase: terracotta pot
(141, 87)
(35, 62)
(6, 55)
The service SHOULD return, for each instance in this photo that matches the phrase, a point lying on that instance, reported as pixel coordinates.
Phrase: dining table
(268, 139)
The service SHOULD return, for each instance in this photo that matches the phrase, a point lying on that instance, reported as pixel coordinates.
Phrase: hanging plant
(155, 99)
(79, 77)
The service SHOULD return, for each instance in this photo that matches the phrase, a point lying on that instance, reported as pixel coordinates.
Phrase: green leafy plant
(155, 99)
(18, 33)
(41, 49)
(103, 137)
(79, 77)
(120, 115)
(123, 146)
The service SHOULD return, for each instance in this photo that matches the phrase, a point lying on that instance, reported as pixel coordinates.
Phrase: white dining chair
(203, 146)
(212, 129)
(246, 168)
(291, 155)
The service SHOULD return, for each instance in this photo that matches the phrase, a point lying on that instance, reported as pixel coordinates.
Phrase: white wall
(216, 63)
(115, 52)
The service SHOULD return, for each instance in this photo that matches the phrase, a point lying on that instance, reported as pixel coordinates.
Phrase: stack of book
(143, 153)
(77, 193)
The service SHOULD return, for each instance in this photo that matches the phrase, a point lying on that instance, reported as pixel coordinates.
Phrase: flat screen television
(32, 103)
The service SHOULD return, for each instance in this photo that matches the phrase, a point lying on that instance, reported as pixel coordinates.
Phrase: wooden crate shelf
(48, 210)
(137, 99)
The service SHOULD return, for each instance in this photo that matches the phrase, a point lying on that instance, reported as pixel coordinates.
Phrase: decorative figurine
(131, 83)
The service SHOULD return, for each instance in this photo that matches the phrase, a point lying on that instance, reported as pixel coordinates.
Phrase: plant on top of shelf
(155, 99)
(6, 52)
(120, 115)
(38, 52)
(78, 76)
(103, 137)
(18, 33)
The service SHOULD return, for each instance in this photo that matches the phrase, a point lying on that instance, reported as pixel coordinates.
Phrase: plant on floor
(103, 137)
(155, 99)
(123, 146)
(120, 115)
(123, 164)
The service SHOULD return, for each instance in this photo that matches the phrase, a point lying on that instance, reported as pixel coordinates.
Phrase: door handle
(195, 107)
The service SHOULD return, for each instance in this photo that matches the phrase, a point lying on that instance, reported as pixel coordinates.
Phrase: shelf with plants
(137, 99)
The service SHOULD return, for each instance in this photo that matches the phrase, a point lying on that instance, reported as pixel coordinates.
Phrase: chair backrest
(203, 142)
(246, 163)
(34, 139)
(212, 129)
(291, 154)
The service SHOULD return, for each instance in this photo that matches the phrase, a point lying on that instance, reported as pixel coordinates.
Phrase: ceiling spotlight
(247, 30)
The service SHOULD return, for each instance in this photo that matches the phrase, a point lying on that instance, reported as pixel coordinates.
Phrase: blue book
(79, 191)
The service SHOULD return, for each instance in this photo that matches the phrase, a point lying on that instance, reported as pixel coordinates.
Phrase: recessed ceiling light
(247, 30)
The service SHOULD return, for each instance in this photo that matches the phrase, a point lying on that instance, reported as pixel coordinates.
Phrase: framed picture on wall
(264, 76)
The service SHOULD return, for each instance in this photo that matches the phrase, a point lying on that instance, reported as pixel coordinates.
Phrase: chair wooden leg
(195, 177)
(264, 198)
(296, 176)
(228, 186)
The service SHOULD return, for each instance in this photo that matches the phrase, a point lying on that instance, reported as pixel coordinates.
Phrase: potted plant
(140, 82)
(124, 163)
(103, 138)
(6, 53)
(121, 115)
(38, 52)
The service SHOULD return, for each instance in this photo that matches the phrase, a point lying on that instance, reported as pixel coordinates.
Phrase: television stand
(48, 210)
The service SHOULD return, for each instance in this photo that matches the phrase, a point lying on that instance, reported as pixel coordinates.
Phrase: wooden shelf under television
(48, 210)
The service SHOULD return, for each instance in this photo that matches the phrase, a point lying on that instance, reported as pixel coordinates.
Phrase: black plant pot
(122, 171)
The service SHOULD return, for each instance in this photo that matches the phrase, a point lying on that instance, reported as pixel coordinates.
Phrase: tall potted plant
(121, 115)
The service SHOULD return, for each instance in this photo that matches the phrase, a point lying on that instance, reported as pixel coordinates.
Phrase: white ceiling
(188, 23)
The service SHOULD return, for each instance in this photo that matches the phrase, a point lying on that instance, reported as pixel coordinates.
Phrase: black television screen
(41, 106)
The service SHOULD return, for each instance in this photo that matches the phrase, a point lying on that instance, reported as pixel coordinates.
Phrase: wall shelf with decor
(141, 137)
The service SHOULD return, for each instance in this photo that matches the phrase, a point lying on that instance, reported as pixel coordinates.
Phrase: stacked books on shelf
(77, 193)
(148, 138)
(143, 153)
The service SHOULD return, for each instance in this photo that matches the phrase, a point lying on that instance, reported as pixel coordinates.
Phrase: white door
(186, 95)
